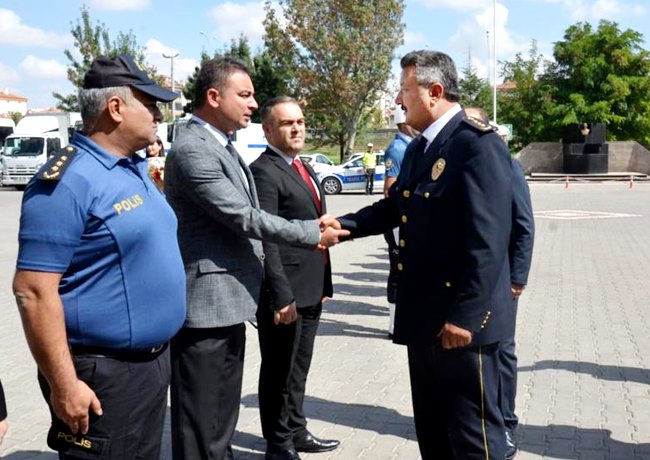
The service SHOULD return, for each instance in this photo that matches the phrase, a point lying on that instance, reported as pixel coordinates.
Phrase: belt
(138, 354)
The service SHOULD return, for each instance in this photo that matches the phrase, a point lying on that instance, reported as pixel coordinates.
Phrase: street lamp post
(494, 40)
(172, 57)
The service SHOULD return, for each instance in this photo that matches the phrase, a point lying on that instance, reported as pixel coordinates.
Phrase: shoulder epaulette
(57, 164)
(478, 124)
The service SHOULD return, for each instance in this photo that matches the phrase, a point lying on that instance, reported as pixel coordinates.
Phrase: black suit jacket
(454, 234)
(523, 227)
(292, 273)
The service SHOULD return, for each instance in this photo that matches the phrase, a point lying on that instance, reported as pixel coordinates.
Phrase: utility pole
(494, 41)
(172, 57)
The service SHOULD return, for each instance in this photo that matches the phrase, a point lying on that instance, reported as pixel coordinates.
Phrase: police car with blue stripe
(350, 175)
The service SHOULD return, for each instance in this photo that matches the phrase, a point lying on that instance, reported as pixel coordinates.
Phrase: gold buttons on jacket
(447, 284)
(400, 267)
(405, 219)
(402, 243)
(427, 195)
(406, 193)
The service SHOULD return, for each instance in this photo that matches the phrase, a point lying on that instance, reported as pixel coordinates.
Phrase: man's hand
(4, 426)
(454, 337)
(328, 221)
(517, 289)
(73, 406)
(286, 315)
(330, 236)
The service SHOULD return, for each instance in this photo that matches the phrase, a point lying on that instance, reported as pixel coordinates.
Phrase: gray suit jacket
(220, 227)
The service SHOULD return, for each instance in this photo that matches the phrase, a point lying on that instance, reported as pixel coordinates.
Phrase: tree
(92, 41)
(474, 91)
(337, 56)
(266, 79)
(603, 75)
(529, 105)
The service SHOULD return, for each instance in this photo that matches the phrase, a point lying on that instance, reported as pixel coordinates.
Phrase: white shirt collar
(434, 128)
(283, 155)
(220, 136)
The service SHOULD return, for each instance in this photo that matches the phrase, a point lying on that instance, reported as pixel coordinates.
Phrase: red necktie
(298, 166)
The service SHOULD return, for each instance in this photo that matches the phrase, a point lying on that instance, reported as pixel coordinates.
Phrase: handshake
(330, 232)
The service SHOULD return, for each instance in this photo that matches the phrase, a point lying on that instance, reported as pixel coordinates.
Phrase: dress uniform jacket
(453, 205)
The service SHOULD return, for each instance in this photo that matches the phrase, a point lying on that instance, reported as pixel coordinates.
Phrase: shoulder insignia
(389, 163)
(478, 124)
(57, 164)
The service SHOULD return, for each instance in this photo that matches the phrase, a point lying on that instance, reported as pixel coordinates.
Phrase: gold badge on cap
(438, 168)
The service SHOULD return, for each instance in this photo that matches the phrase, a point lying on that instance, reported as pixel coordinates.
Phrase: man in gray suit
(220, 227)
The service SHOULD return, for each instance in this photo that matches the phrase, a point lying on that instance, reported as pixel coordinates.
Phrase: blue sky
(34, 33)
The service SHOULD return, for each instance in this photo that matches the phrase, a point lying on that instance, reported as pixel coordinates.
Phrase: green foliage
(528, 107)
(336, 56)
(603, 75)
(267, 81)
(475, 91)
(92, 41)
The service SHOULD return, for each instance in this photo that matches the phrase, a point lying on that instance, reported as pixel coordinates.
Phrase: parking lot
(583, 341)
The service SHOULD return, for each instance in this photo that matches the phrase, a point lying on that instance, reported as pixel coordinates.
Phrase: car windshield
(23, 146)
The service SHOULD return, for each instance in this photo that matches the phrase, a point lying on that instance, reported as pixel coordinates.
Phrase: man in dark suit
(521, 254)
(220, 227)
(452, 202)
(297, 281)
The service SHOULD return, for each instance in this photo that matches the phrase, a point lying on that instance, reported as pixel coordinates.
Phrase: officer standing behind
(369, 165)
(393, 158)
(297, 280)
(92, 226)
(452, 202)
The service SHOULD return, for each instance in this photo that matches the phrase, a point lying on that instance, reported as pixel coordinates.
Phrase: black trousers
(286, 351)
(370, 179)
(455, 402)
(508, 379)
(133, 395)
(207, 370)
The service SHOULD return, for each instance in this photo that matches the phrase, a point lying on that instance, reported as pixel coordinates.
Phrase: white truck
(35, 138)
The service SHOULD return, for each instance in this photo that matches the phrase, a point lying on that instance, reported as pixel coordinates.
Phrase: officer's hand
(516, 289)
(4, 426)
(73, 404)
(329, 237)
(452, 336)
(328, 221)
(286, 315)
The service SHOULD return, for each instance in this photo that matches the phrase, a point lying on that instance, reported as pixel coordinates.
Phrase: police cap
(122, 70)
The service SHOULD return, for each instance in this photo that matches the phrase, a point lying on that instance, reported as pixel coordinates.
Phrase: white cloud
(8, 77)
(183, 67)
(14, 33)
(476, 35)
(232, 20)
(458, 5)
(585, 10)
(43, 68)
(120, 5)
(413, 38)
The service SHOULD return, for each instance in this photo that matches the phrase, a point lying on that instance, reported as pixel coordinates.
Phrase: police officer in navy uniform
(452, 202)
(97, 314)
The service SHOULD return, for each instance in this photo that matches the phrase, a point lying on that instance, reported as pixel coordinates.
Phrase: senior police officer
(92, 226)
(452, 202)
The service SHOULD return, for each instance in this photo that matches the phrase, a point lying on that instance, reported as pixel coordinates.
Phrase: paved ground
(584, 387)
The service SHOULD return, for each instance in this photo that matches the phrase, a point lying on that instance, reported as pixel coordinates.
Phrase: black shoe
(281, 454)
(310, 443)
(511, 446)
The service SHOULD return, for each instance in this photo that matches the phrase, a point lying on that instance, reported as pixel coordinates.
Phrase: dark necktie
(233, 151)
(298, 166)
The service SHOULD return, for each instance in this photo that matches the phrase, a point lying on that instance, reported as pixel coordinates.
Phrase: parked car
(317, 161)
(350, 176)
